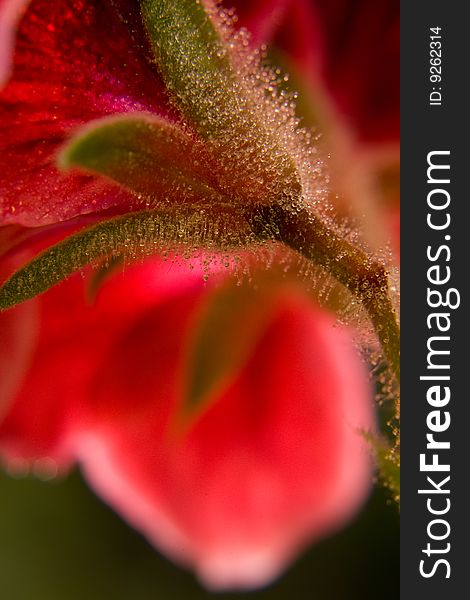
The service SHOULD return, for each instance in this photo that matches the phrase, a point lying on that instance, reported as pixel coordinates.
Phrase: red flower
(276, 459)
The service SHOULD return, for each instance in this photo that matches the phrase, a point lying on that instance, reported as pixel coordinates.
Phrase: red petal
(74, 61)
(262, 18)
(276, 462)
(350, 48)
(72, 342)
(360, 58)
(18, 335)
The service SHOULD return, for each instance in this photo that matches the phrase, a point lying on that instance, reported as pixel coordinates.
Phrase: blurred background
(58, 541)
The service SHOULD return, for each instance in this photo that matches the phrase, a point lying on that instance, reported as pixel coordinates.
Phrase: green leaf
(148, 155)
(132, 235)
(228, 328)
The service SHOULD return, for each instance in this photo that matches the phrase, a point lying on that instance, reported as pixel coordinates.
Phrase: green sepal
(133, 235)
(146, 154)
(193, 60)
(201, 68)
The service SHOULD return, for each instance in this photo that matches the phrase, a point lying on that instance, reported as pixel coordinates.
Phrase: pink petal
(73, 338)
(275, 463)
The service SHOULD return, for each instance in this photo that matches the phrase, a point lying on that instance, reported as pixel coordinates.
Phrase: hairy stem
(364, 277)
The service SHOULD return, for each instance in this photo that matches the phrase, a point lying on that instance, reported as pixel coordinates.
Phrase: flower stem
(363, 276)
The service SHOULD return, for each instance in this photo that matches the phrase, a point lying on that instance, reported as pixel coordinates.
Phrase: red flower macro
(223, 422)
(275, 460)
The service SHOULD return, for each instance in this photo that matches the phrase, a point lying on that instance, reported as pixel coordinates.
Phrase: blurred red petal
(18, 332)
(363, 71)
(261, 18)
(73, 338)
(353, 48)
(348, 47)
(275, 462)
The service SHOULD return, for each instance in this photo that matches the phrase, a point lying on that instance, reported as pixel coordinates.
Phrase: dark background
(58, 541)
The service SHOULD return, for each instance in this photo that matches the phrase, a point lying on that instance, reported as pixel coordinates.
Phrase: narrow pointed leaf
(132, 235)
